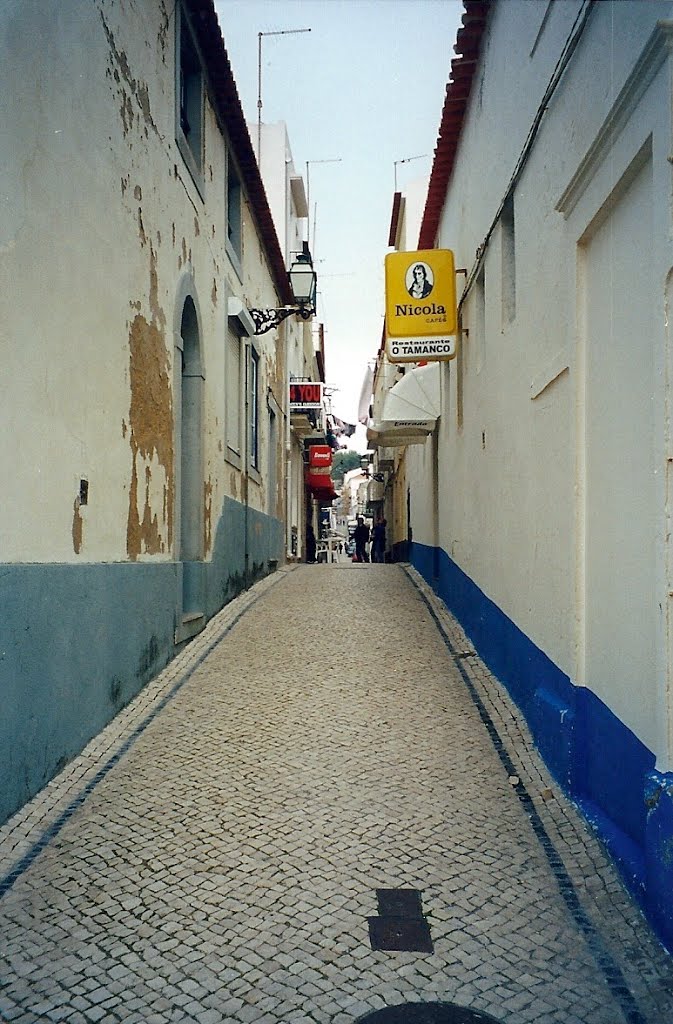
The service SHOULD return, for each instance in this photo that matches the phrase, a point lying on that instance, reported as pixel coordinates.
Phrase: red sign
(306, 394)
(320, 455)
(320, 483)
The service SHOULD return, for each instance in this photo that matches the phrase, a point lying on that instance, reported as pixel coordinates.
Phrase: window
(253, 408)
(271, 482)
(233, 367)
(234, 234)
(190, 91)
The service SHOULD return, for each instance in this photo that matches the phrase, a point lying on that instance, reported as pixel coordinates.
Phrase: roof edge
(469, 39)
(224, 95)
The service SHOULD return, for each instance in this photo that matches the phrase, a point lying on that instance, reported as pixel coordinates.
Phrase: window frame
(233, 444)
(188, 59)
(253, 424)
(234, 214)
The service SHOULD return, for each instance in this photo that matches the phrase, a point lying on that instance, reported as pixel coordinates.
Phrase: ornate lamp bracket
(266, 319)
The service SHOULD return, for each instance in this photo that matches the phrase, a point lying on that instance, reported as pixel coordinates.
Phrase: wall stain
(127, 115)
(115, 690)
(143, 98)
(163, 31)
(138, 89)
(157, 312)
(207, 515)
(213, 294)
(197, 229)
(77, 527)
(150, 524)
(150, 423)
(141, 228)
(148, 658)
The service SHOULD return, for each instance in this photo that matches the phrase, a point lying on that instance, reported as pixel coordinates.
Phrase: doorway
(189, 459)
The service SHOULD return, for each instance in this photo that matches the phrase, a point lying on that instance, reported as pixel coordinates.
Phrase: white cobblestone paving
(215, 853)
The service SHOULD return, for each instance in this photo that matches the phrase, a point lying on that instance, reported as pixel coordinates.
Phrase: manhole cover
(401, 925)
(400, 934)
(399, 903)
(428, 1013)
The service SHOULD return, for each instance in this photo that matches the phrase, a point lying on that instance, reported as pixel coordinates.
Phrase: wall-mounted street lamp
(303, 282)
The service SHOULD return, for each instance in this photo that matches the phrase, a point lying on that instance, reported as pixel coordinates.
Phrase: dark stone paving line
(50, 833)
(605, 961)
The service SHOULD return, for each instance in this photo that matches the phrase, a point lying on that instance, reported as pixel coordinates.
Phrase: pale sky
(365, 87)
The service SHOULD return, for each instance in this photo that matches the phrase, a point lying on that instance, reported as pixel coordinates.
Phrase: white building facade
(540, 507)
(146, 484)
(285, 189)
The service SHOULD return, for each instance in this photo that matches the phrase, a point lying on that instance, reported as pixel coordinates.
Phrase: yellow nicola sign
(421, 317)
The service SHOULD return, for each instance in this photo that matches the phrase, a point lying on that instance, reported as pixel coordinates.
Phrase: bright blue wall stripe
(604, 959)
(592, 754)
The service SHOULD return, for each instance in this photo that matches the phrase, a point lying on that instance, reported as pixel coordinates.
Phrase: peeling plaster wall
(102, 228)
(100, 220)
(90, 139)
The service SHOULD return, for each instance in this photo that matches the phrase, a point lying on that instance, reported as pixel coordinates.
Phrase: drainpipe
(288, 451)
(246, 470)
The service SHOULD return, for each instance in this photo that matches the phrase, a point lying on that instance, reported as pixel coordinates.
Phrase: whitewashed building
(285, 189)
(144, 459)
(540, 508)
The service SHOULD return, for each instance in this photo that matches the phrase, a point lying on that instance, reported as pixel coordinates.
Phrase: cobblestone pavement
(215, 854)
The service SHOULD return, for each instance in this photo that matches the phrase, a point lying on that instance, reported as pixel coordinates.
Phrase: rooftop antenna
(281, 32)
(406, 160)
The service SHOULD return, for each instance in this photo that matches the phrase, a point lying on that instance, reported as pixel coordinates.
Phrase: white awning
(237, 310)
(410, 409)
(365, 396)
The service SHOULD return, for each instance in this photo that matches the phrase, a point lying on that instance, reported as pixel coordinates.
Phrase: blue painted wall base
(598, 761)
(79, 641)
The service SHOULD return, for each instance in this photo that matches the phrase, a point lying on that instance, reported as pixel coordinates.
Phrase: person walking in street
(361, 538)
(379, 541)
(310, 544)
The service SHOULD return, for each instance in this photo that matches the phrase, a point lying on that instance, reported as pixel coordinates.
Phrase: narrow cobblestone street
(215, 854)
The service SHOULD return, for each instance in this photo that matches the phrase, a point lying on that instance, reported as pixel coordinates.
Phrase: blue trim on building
(79, 641)
(226, 569)
(592, 754)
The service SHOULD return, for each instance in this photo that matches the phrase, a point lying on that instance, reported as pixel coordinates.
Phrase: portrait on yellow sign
(420, 294)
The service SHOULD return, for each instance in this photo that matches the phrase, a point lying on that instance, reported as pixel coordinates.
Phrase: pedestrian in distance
(361, 538)
(379, 541)
(310, 543)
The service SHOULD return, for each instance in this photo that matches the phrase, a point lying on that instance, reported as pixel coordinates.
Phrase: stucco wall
(103, 237)
(103, 222)
(554, 438)
(511, 432)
